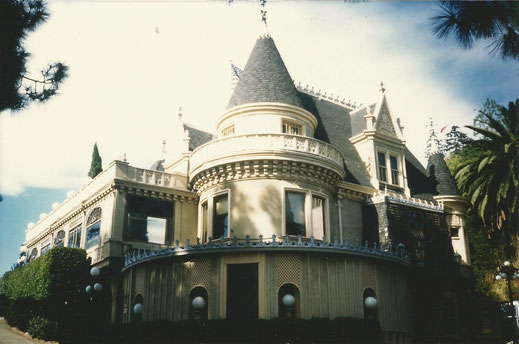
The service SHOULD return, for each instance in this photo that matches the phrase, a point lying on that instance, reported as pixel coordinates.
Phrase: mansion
(301, 206)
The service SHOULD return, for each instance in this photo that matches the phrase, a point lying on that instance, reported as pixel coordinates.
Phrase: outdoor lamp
(288, 300)
(23, 249)
(98, 287)
(198, 302)
(88, 289)
(498, 277)
(370, 302)
(506, 263)
(94, 272)
(137, 309)
(23, 259)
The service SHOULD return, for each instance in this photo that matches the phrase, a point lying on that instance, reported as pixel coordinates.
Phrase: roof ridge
(330, 98)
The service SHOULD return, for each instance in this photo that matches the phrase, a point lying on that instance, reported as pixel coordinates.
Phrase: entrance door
(242, 291)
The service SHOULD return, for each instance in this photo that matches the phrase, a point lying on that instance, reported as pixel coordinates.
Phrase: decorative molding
(168, 195)
(381, 196)
(254, 169)
(396, 254)
(354, 192)
(324, 96)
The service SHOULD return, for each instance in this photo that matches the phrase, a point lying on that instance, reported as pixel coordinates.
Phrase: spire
(265, 78)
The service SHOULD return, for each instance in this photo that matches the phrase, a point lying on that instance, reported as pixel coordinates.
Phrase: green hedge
(46, 297)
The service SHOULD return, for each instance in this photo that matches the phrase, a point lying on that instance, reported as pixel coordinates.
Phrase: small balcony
(263, 147)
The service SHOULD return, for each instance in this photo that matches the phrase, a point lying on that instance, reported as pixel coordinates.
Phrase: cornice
(354, 192)
(265, 169)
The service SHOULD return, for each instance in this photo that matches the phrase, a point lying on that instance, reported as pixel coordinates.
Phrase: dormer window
(382, 170)
(228, 131)
(386, 159)
(292, 128)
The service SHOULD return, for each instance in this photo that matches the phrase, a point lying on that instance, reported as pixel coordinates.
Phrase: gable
(384, 124)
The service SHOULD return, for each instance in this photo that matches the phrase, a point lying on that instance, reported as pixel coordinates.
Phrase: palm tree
(470, 21)
(489, 172)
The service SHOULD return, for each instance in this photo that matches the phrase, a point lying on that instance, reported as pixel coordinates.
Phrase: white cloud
(127, 79)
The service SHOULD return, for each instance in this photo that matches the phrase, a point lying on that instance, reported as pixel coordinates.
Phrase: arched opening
(138, 307)
(370, 303)
(288, 301)
(198, 302)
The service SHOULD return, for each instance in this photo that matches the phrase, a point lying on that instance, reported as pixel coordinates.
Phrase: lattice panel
(369, 276)
(289, 269)
(200, 273)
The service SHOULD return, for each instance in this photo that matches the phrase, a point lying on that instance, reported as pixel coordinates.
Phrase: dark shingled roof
(157, 165)
(358, 122)
(441, 176)
(265, 78)
(334, 127)
(198, 137)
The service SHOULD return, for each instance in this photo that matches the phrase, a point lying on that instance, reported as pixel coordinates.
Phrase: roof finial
(433, 140)
(382, 89)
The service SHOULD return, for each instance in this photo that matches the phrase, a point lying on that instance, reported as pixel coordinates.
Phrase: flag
(235, 76)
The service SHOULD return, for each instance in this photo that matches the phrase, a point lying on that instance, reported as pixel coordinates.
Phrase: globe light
(503, 275)
(507, 263)
(288, 300)
(23, 259)
(95, 271)
(137, 309)
(498, 277)
(370, 302)
(98, 287)
(88, 289)
(23, 249)
(198, 302)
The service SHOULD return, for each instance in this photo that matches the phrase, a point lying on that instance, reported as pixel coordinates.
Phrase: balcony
(393, 253)
(263, 147)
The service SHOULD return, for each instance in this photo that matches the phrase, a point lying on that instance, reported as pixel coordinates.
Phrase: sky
(133, 64)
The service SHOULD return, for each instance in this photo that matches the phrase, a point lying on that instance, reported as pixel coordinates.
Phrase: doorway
(242, 291)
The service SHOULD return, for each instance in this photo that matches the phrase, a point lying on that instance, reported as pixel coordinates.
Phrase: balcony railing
(150, 177)
(389, 252)
(264, 143)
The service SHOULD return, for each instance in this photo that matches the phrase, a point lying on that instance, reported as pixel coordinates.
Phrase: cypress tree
(96, 166)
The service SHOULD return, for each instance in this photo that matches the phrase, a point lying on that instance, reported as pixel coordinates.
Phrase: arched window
(198, 302)
(59, 240)
(370, 305)
(34, 254)
(288, 301)
(93, 228)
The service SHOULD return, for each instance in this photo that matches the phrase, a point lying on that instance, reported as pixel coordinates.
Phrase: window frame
(45, 246)
(94, 219)
(309, 228)
(212, 215)
(60, 243)
(295, 123)
(209, 200)
(388, 154)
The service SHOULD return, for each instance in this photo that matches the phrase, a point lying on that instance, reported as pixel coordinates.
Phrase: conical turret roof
(265, 78)
(441, 175)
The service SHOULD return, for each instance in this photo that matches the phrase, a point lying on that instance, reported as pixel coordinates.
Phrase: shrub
(42, 328)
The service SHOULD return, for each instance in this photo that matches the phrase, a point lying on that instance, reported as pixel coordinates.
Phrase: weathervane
(263, 11)
(382, 89)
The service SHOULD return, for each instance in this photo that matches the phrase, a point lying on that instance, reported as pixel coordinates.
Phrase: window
(221, 217)
(455, 232)
(93, 228)
(148, 220)
(204, 221)
(394, 169)
(34, 254)
(292, 128)
(45, 247)
(59, 240)
(93, 238)
(295, 213)
(382, 167)
(318, 217)
(228, 131)
(74, 237)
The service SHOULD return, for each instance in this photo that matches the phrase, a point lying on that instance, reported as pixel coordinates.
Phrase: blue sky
(133, 64)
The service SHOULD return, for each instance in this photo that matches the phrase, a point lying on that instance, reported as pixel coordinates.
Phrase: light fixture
(88, 289)
(288, 300)
(98, 287)
(370, 302)
(506, 263)
(198, 302)
(95, 271)
(23, 259)
(137, 309)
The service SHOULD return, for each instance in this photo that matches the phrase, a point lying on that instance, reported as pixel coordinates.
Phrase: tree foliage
(96, 165)
(17, 89)
(488, 171)
(471, 21)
